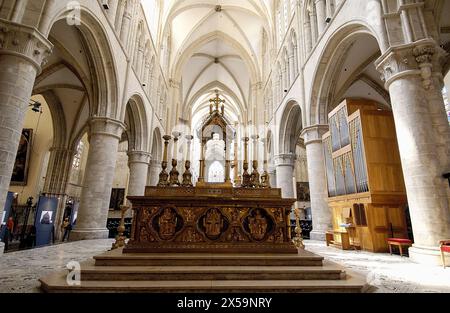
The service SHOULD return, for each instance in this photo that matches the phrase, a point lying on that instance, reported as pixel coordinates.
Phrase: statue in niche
(213, 223)
(167, 224)
(258, 226)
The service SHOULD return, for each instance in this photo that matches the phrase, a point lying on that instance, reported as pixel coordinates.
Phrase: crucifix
(216, 101)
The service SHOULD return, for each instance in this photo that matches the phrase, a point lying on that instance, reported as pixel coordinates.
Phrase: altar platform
(118, 272)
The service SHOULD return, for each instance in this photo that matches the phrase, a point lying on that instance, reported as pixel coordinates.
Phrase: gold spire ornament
(298, 239)
(216, 102)
(120, 238)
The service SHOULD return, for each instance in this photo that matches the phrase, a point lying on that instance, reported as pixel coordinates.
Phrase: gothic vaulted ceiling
(214, 45)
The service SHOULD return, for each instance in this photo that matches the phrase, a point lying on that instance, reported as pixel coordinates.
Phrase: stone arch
(332, 56)
(290, 127)
(157, 145)
(103, 97)
(137, 124)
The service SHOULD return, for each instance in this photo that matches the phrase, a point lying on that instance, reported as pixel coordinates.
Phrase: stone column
(284, 164)
(58, 171)
(138, 162)
(22, 50)
(422, 133)
(104, 135)
(273, 176)
(321, 15)
(126, 21)
(321, 213)
(153, 172)
(57, 177)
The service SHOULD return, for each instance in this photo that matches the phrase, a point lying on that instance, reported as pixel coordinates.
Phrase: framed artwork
(117, 198)
(22, 163)
(303, 192)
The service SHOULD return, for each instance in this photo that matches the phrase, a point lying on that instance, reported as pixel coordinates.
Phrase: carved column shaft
(285, 174)
(22, 50)
(422, 133)
(104, 134)
(321, 213)
(138, 162)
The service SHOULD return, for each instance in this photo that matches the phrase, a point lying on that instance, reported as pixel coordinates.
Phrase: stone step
(56, 283)
(116, 258)
(173, 273)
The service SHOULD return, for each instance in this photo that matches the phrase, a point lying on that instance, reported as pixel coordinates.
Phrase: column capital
(314, 133)
(25, 42)
(287, 159)
(139, 157)
(422, 58)
(106, 126)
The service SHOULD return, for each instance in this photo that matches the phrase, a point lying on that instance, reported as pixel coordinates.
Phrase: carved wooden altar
(212, 218)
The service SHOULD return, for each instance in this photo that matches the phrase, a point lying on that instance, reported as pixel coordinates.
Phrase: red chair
(445, 247)
(400, 243)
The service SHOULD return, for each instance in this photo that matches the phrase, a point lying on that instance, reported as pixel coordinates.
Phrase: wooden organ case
(364, 175)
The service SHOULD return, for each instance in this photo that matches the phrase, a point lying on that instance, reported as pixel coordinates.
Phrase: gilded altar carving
(213, 223)
(167, 224)
(278, 236)
(236, 235)
(190, 235)
(278, 215)
(258, 225)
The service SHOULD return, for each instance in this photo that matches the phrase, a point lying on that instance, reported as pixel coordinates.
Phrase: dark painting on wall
(20, 171)
(303, 192)
(117, 198)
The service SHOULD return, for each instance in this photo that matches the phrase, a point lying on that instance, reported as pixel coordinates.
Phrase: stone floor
(19, 271)
(387, 273)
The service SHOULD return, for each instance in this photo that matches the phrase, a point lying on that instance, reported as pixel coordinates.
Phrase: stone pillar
(138, 162)
(321, 15)
(126, 21)
(22, 50)
(153, 172)
(422, 133)
(56, 179)
(104, 135)
(273, 177)
(58, 171)
(321, 213)
(284, 164)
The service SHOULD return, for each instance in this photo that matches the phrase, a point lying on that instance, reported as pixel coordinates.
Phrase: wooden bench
(338, 239)
(400, 242)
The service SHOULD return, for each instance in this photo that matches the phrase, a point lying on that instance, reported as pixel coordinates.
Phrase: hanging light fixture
(36, 106)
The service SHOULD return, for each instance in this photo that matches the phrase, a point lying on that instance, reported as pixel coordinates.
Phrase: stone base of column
(317, 235)
(88, 233)
(2, 247)
(425, 255)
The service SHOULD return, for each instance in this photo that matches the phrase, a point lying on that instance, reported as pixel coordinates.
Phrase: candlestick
(163, 176)
(174, 174)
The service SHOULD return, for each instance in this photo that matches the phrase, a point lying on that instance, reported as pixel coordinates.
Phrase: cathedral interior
(225, 145)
